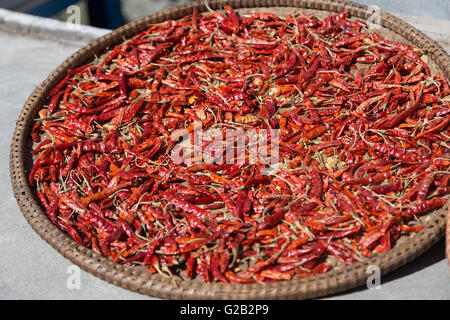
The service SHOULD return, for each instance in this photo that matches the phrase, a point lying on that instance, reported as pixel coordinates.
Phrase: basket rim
(138, 279)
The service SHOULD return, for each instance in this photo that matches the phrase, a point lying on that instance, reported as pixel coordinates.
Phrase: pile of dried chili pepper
(364, 146)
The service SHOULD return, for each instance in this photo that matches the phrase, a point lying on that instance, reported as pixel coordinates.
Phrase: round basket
(137, 278)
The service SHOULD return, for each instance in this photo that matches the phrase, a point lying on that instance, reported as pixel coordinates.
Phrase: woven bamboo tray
(137, 278)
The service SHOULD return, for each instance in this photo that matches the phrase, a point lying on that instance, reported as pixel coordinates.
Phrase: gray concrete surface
(31, 269)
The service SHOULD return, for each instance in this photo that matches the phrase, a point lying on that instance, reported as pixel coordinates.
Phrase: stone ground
(436, 9)
(31, 269)
(430, 16)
